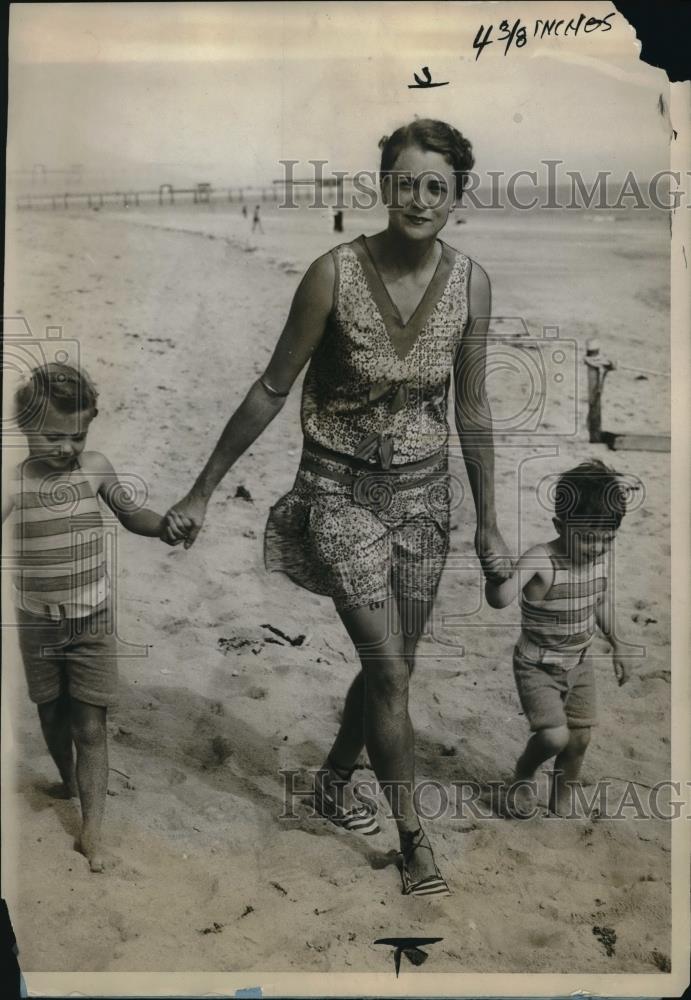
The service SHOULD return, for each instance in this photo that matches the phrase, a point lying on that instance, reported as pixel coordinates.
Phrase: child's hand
(176, 528)
(622, 667)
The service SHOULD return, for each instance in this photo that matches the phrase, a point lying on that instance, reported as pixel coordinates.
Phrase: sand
(175, 313)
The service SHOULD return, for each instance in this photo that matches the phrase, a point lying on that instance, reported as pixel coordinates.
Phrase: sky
(223, 92)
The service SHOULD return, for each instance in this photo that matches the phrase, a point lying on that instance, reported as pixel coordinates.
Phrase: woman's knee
(386, 679)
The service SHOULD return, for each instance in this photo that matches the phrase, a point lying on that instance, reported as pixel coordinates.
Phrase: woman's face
(419, 193)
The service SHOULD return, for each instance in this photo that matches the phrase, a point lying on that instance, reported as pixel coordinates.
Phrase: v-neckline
(404, 336)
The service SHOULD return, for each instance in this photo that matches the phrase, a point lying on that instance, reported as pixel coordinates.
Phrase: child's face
(61, 438)
(584, 543)
(419, 193)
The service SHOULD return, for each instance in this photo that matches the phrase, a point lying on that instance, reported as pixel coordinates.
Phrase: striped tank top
(376, 387)
(59, 560)
(563, 621)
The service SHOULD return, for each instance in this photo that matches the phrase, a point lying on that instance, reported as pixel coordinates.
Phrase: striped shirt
(564, 619)
(60, 560)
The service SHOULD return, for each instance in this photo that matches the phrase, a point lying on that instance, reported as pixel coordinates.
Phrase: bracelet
(270, 389)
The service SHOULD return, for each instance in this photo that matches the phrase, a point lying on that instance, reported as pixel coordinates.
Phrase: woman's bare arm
(301, 335)
(474, 425)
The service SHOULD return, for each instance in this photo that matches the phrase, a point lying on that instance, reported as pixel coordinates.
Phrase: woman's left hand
(493, 555)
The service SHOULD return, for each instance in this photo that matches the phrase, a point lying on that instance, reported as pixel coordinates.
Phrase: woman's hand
(493, 555)
(184, 520)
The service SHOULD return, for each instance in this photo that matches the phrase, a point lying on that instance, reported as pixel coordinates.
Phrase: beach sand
(175, 313)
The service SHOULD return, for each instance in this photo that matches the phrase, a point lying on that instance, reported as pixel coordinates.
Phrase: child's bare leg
(542, 745)
(567, 768)
(57, 732)
(89, 731)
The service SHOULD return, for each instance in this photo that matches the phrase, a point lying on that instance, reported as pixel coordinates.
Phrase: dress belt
(359, 469)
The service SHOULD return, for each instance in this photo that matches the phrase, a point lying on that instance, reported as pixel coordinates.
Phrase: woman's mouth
(416, 220)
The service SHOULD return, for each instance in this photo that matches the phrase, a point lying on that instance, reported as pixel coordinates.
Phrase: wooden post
(598, 366)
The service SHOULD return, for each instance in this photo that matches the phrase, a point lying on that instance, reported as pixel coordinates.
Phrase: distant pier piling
(202, 193)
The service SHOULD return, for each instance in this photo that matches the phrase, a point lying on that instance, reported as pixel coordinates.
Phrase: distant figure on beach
(256, 220)
(384, 322)
(338, 221)
(62, 591)
(244, 211)
(563, 588)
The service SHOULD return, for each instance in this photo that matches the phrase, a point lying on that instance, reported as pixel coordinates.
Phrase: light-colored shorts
(74, 656)
(361, 535)
(553, 696)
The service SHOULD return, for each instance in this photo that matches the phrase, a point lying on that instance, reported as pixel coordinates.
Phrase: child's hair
(433, 135)
(591, 493)
(63, 386)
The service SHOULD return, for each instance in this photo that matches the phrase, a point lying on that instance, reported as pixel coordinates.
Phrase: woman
(383, 321)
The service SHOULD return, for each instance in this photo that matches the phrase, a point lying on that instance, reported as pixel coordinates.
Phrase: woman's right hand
(191, 509)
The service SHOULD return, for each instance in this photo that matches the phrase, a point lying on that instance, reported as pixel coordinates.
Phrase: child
(61, 587)
(563, 584)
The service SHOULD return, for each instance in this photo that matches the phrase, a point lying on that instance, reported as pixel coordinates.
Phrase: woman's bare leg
(350, 740)
(414, 616)
(376, 633)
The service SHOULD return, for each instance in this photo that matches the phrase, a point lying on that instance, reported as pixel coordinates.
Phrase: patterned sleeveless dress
(367, 518)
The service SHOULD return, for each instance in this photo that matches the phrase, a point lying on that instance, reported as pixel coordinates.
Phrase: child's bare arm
(605, 622)
(7, 506)
(529, 566)
(7, 495)
(119, 497)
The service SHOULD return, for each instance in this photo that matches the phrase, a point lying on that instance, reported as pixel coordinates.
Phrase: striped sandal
(360, 819)
(430, 885)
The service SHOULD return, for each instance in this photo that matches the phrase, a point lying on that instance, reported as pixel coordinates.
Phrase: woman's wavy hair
(435, 136)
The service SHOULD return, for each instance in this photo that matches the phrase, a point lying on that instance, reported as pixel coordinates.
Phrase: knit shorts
(552, 696)
(75, 656)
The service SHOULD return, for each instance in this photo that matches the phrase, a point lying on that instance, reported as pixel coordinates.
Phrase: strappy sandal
(360, 819)
(430, 885)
